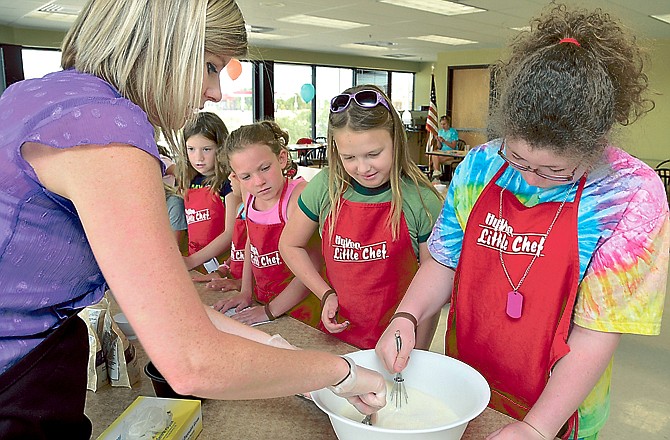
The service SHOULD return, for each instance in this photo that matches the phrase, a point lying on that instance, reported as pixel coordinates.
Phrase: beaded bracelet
(269, 314)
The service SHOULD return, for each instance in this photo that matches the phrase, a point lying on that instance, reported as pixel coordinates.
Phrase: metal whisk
(398, 391)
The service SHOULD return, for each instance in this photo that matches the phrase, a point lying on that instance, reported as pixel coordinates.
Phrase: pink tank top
(271, 216)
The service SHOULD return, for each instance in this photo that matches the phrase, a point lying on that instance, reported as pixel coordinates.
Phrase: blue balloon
(307, 92)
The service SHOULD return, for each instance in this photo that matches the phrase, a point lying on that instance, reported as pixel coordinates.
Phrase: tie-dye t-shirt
(623, 236)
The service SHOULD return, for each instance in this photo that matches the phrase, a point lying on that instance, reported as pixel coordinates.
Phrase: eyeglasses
(363, 98)
(518, 166)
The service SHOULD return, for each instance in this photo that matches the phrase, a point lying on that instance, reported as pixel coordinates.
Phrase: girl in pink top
(257, 156)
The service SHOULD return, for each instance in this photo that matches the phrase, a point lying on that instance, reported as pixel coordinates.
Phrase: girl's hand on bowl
(386, 351)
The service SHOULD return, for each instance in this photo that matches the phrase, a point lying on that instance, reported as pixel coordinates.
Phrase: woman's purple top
(47, 269)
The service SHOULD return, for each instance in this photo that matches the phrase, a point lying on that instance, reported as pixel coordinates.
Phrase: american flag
(431, 120)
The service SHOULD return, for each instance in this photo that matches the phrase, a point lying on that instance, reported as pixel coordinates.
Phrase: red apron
(205, 215)
(271, 273)
(237, 245)
(369, 271)
(515, 355)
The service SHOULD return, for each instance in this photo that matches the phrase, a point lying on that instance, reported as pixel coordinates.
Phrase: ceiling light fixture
(363, 47)
(664, 18)
(443, 40)
(435, 6)
(310, 20)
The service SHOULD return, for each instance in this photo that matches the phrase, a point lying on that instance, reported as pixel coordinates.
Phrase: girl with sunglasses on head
(76, 146)
(258, 158)
(552, 242)
(374, 210)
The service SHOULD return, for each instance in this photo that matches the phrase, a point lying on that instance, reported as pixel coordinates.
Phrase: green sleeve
(314, 198)
(421, 210)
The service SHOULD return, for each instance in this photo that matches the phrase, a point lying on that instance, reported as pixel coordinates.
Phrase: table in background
(315, 151)
(280, 418)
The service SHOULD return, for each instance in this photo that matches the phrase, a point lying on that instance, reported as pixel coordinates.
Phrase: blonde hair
(357, 118)
(209, 126)
(152, 51)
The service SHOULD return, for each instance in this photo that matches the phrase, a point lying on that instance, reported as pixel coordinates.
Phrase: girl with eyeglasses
(374, 210)
(83, 209)
(552, 242)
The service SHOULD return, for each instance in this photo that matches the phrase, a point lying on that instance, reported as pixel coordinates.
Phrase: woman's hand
(239, 302)
(386, 350)
(329, 313)
(367, 393)
(517, 431)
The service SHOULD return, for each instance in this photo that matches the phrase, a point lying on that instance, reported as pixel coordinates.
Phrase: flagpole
(431, 119)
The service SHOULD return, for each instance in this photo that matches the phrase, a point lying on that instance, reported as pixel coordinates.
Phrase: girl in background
(257, 155)
(374, 210)
(228, 276)
(206, 188)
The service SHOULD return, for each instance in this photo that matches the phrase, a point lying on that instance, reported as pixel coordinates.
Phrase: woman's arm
(222, 242)
(128, 230)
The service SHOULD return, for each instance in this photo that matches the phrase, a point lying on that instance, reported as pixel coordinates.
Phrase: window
(402, 90)
(330, 81)
(39, 62)
(236, 105)
(292, 113)
(379, 78)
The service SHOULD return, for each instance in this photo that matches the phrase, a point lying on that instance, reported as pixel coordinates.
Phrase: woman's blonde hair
(211, 127)
(358, 118)
(152, 51)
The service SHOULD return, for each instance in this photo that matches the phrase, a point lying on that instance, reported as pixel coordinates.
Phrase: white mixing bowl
(456, 384)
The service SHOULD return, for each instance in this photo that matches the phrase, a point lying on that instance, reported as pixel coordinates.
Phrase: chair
(449, 167)
(663, 171)
(302, 154)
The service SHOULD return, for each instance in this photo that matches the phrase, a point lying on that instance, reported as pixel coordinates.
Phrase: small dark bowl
(161, 386)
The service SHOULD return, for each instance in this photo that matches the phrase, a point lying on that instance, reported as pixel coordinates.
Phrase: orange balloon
(234, 68)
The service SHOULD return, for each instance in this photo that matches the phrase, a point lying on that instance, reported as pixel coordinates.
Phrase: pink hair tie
(570, 40)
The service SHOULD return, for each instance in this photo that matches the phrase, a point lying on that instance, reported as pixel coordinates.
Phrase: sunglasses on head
(362, 98)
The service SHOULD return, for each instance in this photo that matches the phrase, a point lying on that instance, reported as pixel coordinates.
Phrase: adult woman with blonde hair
(71, 227)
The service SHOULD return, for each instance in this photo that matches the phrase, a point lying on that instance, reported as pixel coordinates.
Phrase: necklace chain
(502, 261)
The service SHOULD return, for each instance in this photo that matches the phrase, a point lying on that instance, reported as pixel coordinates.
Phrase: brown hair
(209, 126)
(566, 97)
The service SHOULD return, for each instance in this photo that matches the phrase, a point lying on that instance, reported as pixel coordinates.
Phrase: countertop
(279, 418)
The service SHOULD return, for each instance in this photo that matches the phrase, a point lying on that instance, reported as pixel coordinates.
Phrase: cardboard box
(158, 419)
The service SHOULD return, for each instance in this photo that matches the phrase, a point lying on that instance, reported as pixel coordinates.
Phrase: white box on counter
(157, 418)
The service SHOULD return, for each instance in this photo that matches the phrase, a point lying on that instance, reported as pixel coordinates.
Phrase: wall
(648, 138)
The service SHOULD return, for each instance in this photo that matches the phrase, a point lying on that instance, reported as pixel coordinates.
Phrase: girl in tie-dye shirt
(551, 243)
